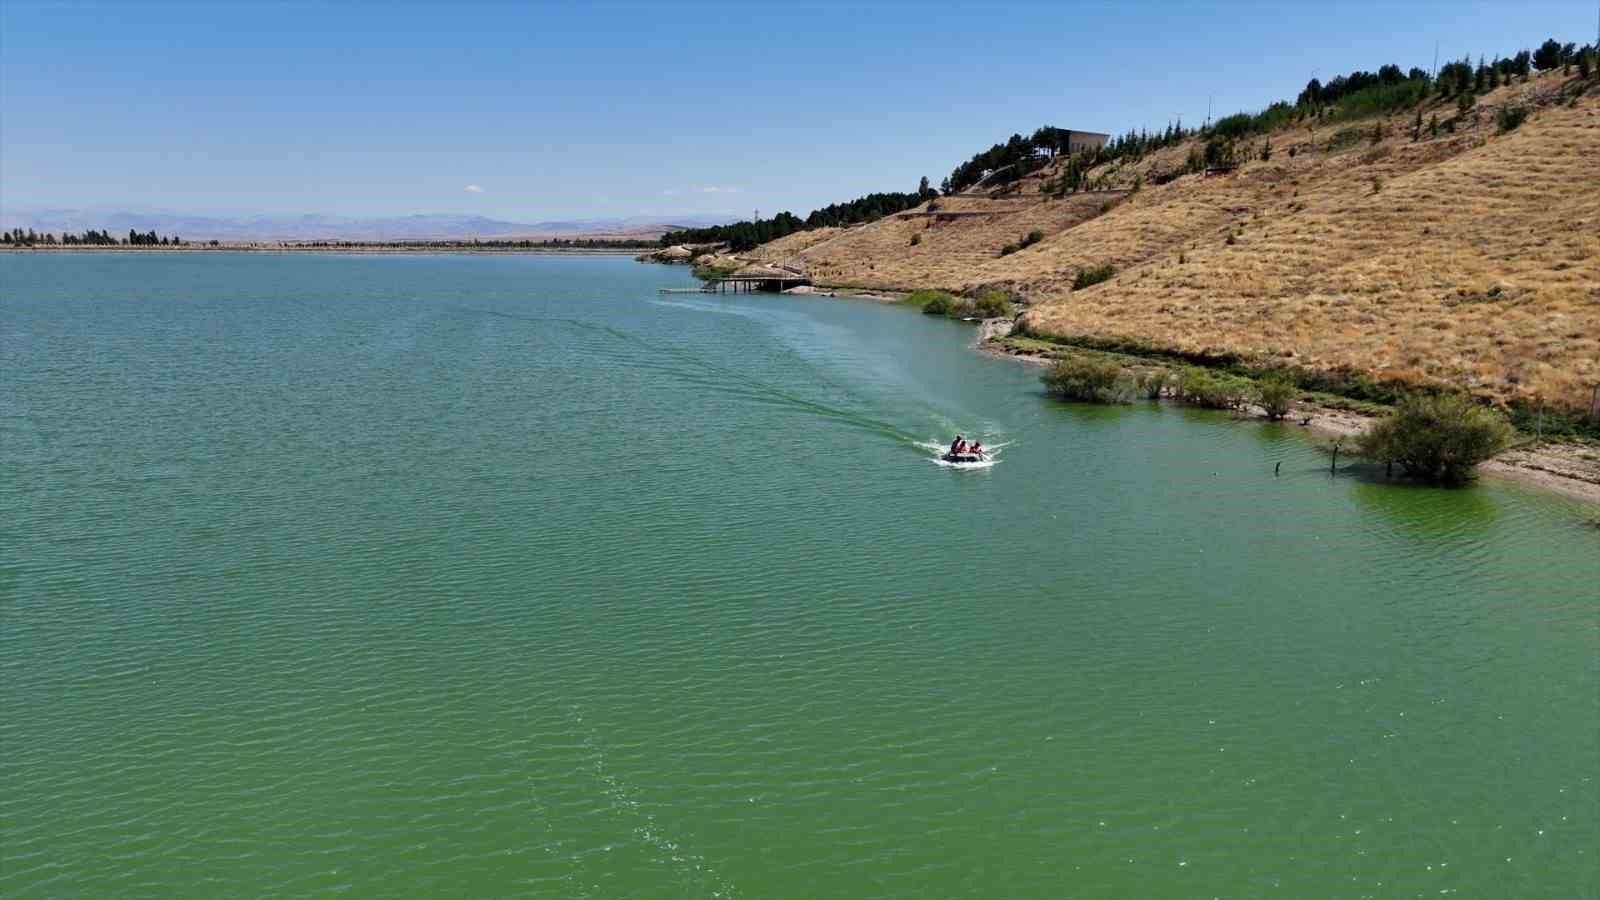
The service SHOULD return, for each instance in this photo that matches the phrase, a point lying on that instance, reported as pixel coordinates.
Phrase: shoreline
(371, 250)
(1571, 470)
(1566, 469)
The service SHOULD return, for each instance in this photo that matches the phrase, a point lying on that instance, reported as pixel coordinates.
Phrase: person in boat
(958, 446)
(976, 449)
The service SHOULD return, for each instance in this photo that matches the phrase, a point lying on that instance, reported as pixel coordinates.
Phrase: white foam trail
(988, 463)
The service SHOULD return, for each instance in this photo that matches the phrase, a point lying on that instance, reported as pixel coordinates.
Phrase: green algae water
(509, 576)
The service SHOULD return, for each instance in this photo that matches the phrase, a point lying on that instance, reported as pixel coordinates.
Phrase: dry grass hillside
(1471, 258)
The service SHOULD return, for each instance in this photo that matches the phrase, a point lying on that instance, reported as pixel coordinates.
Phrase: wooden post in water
(1333, 468)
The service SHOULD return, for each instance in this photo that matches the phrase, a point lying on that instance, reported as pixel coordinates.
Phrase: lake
(509, 576)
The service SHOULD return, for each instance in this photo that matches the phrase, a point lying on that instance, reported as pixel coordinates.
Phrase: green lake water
(508, 576)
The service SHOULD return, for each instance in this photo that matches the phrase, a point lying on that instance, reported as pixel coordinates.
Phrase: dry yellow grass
(1470, 259)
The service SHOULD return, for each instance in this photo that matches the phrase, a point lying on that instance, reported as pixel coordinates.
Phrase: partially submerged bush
(1153, 383)
(1089, 381)
(1276, 394)
(1439, 438)
(1198, 387)
(1093, 276)
(933, 303)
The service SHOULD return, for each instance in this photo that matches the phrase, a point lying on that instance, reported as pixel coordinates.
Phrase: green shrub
(992, 304)
(934, 303)
(1028, 240)
(1152, 383)
(1276, 394)
(1089, 381)
(1510, 117)
(1439, 438)
(1093, 276)
(1198, 387)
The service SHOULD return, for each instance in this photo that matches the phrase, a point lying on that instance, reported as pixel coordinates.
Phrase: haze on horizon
(634, 110)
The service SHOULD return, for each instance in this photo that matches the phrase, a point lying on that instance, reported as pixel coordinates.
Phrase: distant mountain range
(341, 228)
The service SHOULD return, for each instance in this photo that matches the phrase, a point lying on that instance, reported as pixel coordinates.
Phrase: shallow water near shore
(508, 576)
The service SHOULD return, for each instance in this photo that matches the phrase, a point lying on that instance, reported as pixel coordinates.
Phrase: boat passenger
(958, 445)
(976, 449)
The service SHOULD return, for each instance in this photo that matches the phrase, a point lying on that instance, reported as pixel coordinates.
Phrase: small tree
(1433, 125)
(1510, 117)
(1276, 395)
(1548, 56)
(1438, 438)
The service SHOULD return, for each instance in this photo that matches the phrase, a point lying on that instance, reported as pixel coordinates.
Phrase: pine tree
(1433, 125)
(1548, 56)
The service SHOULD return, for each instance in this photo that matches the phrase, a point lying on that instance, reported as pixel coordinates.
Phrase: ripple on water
(369, 586)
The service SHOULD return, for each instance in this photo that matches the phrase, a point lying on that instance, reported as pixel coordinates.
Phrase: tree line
(746, 235)
(19, 238)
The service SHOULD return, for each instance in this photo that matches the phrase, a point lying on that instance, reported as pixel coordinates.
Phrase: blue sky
(553, 111)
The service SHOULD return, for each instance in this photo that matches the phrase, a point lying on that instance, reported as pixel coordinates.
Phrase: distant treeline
(547, 244)
(1351, 96)
(30, 238)
(745, 235)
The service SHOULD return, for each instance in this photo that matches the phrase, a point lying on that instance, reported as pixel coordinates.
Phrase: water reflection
(1420, 511)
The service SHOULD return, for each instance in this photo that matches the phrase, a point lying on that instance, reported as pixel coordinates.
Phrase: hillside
(1467, 258)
